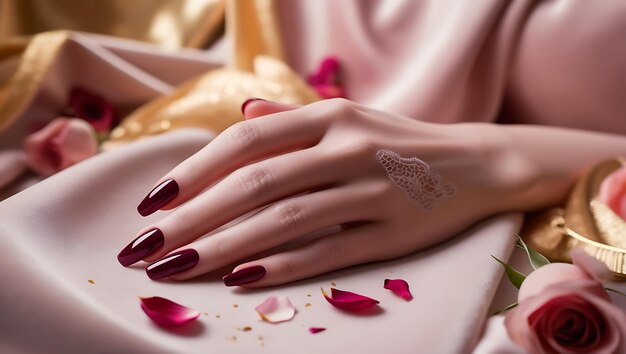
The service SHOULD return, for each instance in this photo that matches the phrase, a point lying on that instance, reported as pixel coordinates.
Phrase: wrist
(504, 177)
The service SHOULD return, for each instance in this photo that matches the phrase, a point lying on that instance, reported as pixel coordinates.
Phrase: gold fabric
(167, 23)
(23, 65)
(211, 101)
(583, 223)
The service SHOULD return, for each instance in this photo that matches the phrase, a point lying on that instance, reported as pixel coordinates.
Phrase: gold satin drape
(211, 101)
(166, 23)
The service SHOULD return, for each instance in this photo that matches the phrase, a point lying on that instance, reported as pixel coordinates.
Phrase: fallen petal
(276, 309)
(167, 313)
(316, 329)
(348, 301)
(400, 287)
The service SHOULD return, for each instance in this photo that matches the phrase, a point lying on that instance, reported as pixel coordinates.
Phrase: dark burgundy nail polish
(248, 101)
(173, 264)
(244, 276)
(141, 247)
(158, 197)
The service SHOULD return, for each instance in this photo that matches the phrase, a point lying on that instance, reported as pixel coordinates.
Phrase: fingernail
(248, 101)
(244, 276)
(173, 264)
(141, 247)
(158, 197)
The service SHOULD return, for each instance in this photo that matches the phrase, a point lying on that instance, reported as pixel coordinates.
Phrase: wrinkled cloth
(444, 61)
(68, 229)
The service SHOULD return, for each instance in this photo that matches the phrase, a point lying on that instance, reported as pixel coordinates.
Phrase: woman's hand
(314, 167)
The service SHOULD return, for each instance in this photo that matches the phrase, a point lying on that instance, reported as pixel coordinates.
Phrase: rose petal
(276, 309)
(612, 191)
(549, 275)
(326, 80)
(400, 287)
(167, 313)
(348, 301)
(591, 265)
(316, 329)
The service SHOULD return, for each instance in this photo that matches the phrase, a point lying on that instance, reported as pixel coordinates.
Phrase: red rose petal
(316, 329)
(400, 287)
(348, 301)
(167, 313)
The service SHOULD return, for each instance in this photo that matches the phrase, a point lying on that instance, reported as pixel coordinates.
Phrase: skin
(317, 165)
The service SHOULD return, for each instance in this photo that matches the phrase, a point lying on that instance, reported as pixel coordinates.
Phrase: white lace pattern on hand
(420, 183)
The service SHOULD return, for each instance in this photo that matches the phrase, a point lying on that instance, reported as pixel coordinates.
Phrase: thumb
(257, 107)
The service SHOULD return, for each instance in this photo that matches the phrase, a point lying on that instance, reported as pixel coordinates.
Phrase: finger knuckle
(243, 134)
(221, 249)
(289, 214)
(333, 253)
(285, 267)
(255, 179)
(184, 221)
(341, 106)
(360, 148)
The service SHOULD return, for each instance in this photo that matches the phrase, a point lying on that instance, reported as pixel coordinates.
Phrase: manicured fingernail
(158, 197)
(244, 276)
(173, 264)
(248, 101)
(141, 247)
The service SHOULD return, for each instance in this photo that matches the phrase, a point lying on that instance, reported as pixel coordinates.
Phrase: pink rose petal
(591, 265)
(167, 313)
(400, 287)
(348, 301)
(276, 309)
(316, 329)
(613, 191)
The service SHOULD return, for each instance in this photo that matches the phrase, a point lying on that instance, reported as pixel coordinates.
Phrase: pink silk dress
(554, 62)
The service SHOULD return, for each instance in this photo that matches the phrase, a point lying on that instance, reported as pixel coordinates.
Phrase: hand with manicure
(389, 185)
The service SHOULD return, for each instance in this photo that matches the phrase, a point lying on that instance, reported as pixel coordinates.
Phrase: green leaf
(615, 291)
(516, 278)
(504, 309)
(536, 259)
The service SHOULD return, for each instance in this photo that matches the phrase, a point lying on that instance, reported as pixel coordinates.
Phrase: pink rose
(59, 145)
(564, 308)
(613, 192)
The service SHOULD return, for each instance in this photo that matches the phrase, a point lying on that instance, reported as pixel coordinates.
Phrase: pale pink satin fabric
(558, 62)
(66, 230)
(437, 60)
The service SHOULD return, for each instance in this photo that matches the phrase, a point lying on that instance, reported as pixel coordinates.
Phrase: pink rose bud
(60, 144)
(613, 192)
(564, 308)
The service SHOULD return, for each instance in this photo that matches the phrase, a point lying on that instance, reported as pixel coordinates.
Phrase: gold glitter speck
(333, 284)
(235, 305)
(307, 304)
(90, 281)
